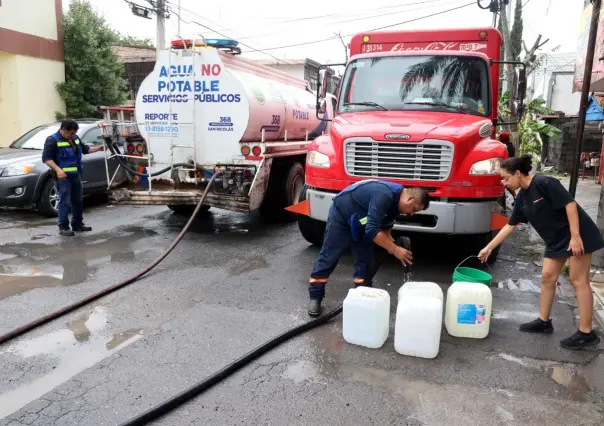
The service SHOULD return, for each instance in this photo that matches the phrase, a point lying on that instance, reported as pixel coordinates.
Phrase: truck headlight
(490, 166)
(316, 159)
(18, 170)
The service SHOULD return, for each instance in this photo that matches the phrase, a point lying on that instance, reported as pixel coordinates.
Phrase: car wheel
(48, 204)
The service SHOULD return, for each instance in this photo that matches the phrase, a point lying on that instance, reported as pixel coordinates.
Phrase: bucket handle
(469, 257)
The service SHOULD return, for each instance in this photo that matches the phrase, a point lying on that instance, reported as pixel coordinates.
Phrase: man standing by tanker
(361, 215)
(63, 152)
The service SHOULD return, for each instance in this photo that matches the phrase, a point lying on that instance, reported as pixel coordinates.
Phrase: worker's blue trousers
(338, 237)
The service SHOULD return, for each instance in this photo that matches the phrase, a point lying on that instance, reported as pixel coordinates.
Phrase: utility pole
(339, 34)
(161, 26)
(589, 61)
(494, 7)
(179, 12)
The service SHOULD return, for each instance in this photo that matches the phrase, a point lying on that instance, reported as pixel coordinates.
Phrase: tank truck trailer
(205, 109)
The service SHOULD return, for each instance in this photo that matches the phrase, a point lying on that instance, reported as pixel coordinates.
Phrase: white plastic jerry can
(426, 288)
(419, 318)
(468, 310)
(366, 317)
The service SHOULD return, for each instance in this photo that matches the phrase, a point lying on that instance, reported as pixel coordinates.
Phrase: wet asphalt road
(233, 283)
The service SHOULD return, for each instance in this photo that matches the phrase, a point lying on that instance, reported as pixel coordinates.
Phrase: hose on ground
(197, 389)
(70, 308)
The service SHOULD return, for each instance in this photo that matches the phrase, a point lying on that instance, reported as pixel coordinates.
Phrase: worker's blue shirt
(377, 201)
(50, 149)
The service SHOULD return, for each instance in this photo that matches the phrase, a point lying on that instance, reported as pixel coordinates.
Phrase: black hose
(197, 389)
(207, 383)
(70, 308)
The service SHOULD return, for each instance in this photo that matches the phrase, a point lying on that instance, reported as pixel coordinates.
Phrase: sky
(267, 24)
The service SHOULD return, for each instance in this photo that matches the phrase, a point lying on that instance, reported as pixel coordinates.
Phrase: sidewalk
(588, 196)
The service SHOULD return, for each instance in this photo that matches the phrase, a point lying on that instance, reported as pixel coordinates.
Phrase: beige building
(31, 63)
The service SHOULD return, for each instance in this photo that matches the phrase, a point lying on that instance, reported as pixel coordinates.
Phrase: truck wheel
(294, 184)
(283, 190)
(480, 242)
(48, 204)
(187, 210)
(311, 229)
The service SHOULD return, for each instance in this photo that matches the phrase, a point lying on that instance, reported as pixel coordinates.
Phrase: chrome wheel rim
(53, 198)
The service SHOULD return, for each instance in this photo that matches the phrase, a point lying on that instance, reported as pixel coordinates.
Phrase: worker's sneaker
(580, 340)
(538, 326)
(314, 307)
(66, 232)
(81, 228)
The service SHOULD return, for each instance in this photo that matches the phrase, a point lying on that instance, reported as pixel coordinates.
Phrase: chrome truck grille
(428, 160)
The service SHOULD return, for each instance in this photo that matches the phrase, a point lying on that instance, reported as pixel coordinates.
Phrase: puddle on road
(301, 371)
(397, 385)
(36, 265)
(568, 375)
(81, 345)
(249, 265)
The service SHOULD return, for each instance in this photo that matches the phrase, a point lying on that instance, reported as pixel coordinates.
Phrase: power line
(332, 15)
(356, 19)
(223, 35)
(357, 12)
(374, 29)
(214, 23)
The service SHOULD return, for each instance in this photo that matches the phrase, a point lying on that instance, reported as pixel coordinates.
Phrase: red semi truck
(418, 108)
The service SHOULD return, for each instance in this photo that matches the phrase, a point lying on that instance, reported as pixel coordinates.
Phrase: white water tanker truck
(204, 109)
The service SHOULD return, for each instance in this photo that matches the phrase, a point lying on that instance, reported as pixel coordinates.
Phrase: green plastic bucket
(471, 275)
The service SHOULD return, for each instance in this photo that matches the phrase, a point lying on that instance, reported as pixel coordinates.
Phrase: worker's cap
(504, 136)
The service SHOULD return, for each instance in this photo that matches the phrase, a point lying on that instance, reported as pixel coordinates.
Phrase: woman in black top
(568, 232)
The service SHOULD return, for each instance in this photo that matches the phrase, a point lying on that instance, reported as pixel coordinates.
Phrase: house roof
(133, 54)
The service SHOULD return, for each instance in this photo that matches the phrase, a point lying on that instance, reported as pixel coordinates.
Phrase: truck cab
(417, 108)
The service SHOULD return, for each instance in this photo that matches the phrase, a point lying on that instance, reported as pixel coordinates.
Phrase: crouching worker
(361, 215)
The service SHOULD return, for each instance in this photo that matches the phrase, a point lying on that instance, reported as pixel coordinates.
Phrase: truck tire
(187, 210)
(283, 190)
(480, 241)
(311, 229)
(293, 187)
(48, 203)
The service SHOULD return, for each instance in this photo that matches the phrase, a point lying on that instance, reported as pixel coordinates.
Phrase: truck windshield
(458, 84)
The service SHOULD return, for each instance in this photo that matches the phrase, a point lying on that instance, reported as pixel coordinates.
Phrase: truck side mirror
(518, 93)
(324, 82)
(323, 78)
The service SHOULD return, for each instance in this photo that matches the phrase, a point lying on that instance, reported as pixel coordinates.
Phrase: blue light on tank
(221, 42)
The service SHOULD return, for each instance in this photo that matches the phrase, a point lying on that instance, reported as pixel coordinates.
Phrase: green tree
(93, 74)
(530, 132)
(516, 33)
(128, 40)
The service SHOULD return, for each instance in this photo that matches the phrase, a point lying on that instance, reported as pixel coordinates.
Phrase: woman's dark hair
(523, 163)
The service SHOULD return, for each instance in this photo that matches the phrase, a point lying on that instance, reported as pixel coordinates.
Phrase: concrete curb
(598, 291)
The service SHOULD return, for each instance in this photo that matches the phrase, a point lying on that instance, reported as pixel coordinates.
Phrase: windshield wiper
(373, 104)
(438, 104)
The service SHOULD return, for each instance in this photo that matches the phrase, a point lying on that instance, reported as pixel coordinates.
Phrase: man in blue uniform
(361, 215)
(63, 154)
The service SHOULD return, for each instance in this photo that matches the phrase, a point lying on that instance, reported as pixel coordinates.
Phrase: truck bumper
(166, 195)
(440, 218)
